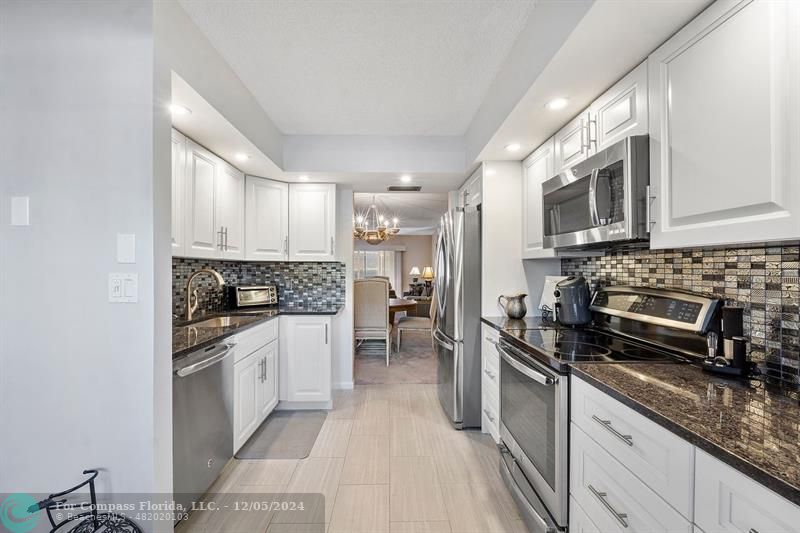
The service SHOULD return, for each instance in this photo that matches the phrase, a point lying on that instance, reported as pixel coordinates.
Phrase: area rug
(415, 363)
(284, 435)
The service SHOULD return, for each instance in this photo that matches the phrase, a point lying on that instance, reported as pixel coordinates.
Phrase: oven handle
(593, 197)
(531, 373)
(543, 525)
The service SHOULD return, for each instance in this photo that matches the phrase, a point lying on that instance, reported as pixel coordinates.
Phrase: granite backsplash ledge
(300, 284)
(764, 280)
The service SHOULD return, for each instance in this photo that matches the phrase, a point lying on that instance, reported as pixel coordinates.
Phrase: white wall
(189, 53)
(503, 270)
(343, 322)
(76, 136)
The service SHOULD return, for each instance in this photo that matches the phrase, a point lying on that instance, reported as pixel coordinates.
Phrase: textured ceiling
(364, 67)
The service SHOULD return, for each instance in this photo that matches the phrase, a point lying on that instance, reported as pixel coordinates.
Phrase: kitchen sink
(221, 322)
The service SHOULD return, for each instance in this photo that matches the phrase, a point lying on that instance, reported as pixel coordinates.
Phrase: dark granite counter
(752, 426)
(501, 323)
(187, 337)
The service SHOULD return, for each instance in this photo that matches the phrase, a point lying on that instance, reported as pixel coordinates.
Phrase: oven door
(592, 202)
(533, 425)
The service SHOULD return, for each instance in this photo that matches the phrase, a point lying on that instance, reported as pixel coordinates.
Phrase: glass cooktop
(562, 346)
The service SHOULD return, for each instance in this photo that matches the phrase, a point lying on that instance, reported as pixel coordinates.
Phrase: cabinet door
(490, 382)
(724, 123)
(312, 222)
(621, 111)
(536, 169)
(178, 193)
(305, 362)
(579, 521)
(202, 231)
(570, 144)
(245, 399)
(727, 501)
(471, 191)
(268, 383)
(230, 210)
(267, 226)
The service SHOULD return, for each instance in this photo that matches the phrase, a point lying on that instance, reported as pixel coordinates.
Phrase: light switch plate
(126, 248)
(123, 287)
(20, 211)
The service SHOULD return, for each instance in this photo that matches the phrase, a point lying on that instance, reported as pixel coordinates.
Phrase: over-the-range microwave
(603, 199)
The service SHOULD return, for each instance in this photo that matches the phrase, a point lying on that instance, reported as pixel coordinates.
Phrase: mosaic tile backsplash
(299, 284)
(764, 280)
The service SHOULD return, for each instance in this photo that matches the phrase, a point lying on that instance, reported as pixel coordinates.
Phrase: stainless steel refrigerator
(456, 332)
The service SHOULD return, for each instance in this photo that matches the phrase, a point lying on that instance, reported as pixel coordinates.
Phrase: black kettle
(572, 301)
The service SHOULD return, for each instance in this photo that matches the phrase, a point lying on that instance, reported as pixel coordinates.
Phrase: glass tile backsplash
(765, 280)
(304, 284)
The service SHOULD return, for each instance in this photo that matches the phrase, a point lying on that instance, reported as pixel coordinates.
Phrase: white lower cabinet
(305, 360)
(579, 521)
(490, 382)
(661, 459)
(255, 379)
(727, 501)
(613, 498)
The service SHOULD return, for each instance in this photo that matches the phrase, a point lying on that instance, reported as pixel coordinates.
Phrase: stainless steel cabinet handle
(225, 238)
(589, 123)
(489, 373)
(621, 517)
(286, 245)
(491, 340)
(264, 372)
(332, 252)
(648, 208)
(627, 439)
(584, 144)
(261, 370)
(489, 415)
(219, 240)
(752, 530)
(326, 333)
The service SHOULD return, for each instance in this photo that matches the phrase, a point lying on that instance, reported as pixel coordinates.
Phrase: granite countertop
(187, 337)
(752, 426)
(501, 323)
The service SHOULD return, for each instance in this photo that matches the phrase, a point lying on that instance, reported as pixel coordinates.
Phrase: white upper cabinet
(618, 113)
(570, 144)
(621, 111)
(230, 211)
(178, 193)
(202, 234)
(312, 222)
(471, 191)
(536, 168)
(267, 220)
(725, 127)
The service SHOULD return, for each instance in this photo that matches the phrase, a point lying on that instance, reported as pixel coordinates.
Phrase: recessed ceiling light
(557, 103)
(177, 110)
(405, 178)
(513, 147)
(241, 157)
(303, 178)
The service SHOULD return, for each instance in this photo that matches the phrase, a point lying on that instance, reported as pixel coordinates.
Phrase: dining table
(397, 305)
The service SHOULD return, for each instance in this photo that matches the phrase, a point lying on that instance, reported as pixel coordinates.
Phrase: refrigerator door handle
(444, 342)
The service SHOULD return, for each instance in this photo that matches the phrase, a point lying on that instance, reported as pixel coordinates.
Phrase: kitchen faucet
(192, 302)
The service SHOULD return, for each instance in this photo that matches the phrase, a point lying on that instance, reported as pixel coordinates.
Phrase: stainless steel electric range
(630, 325)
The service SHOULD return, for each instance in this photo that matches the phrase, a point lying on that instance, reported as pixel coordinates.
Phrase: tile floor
(386, 459)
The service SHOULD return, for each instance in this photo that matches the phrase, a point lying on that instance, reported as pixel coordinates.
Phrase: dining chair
(372, 311)
(416, 323)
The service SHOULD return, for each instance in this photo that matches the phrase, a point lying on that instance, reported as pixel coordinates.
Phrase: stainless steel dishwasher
(202, 429)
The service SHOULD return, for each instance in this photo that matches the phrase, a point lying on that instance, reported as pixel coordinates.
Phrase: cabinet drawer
(254, 338)
(728, 501)
(491, 414)
(579, 521)
(661, 459)
(613, 498)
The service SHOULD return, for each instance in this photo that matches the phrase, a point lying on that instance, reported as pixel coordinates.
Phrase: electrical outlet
(123, 288)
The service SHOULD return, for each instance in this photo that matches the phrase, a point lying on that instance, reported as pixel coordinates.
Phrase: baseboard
(344, 385)
(296, 406)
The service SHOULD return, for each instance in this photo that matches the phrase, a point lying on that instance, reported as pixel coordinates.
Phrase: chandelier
(372, 227)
